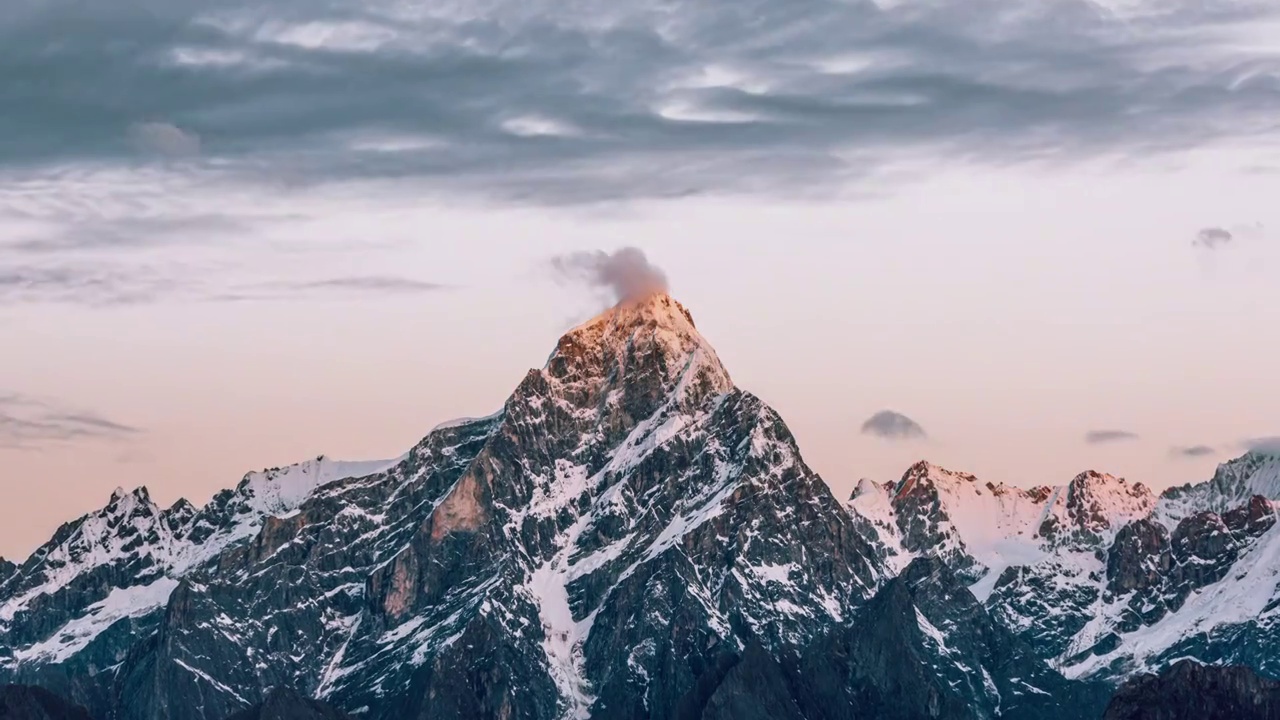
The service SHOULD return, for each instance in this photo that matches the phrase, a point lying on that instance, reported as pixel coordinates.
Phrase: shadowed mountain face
(20, 702)
(285, 704)
(1191, 691)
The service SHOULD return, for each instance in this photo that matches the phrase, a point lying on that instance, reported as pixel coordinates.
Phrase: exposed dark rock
(286, 704)
(1139, 558)
(1191, 691)
(925, 648)
(21, 702)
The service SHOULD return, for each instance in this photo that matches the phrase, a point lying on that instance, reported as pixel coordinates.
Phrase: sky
(1020, 239)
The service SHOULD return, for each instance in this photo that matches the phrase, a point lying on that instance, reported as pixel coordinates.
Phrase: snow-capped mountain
(625, 523)
(1102, 577)
(630, 536)
(78, 602)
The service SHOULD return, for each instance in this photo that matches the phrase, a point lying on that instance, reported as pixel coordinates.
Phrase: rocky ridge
(1101, 576)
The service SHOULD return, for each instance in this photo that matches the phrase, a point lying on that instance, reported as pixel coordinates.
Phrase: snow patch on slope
(120, 604)
(1246, 595)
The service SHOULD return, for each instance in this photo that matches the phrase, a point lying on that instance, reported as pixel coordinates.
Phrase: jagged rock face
(285, 704)
(70, 615)
(20, 702)
(1191, 691)
(925, 648)
(1096, 506)
(1139, 559)
(625, 522)
(1111, 580)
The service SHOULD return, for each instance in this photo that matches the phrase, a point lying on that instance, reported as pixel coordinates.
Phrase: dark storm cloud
(556, 103)
(1193, 451)
(1098, 437)
(626, 274)
(891, 425)
(28, 422)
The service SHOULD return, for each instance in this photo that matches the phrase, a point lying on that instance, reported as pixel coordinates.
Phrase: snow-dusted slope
(122, 561)
(1099, 574)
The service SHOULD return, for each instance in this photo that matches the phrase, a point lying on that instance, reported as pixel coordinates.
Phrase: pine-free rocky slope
(1101, 577)
(630, 536)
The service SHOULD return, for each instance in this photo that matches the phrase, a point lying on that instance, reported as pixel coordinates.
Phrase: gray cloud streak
(629, 99)
(892, 425)
(1098, 437)
(625, 273)
(82, 284)
(373, 284)
(1193, 451)
(28, 422)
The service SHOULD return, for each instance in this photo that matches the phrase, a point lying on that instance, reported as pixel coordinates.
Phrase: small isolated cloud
(1269, 445)
(165, 139)
(891, 425)
(1192, 451)
(373, 284)
(29, 422)
(1098, 437)
(626, 274)
(1213, 237)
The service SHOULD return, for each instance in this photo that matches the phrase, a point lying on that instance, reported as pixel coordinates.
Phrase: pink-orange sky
(1009, 313)
(276, 231)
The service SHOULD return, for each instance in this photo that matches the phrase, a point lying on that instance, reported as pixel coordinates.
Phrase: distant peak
(1095, 479)
(118, 494)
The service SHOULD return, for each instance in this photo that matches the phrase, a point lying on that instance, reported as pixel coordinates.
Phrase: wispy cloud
(892, 425)
(567, 103)
(1098, 437)
(82, 284)
(130, 233)
(1192, 451)
(28, 422)
(392, 284)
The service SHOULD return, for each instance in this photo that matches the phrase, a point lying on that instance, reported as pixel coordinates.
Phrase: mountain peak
(650, 341)
(656, 309)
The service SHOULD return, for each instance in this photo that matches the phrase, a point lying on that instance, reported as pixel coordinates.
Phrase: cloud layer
(552, 102)
(892, 425)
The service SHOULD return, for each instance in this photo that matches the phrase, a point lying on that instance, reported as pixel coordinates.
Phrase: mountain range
(634, 536)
